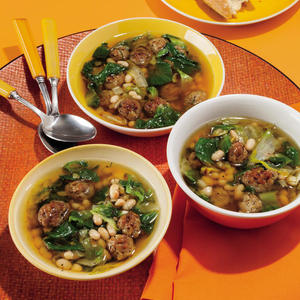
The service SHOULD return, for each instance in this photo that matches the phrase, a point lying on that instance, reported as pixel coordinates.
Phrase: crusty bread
(225, 8)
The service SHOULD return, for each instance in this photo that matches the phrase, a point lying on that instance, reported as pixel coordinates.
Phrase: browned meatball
(194, 98)
(53, 213)
(114, 80)
(130, 224)
(170, 92)
(80, 190)
(250, 204)
(119, 53)
(121, 246)
(261, 180)
(151, 105)
(105, 96)
(130, 109)
(237, 153)
(141, 56)
(157, 44)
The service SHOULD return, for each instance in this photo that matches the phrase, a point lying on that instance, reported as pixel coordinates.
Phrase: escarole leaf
(279, 160)
(264, 149)
(175, 40)
(101, 52)
(59, 246)
(81, 218)
(225, 143)
(164, 116)
(292, 153)
(161, 75)
(205, 147)
(147, 219)
(109, 69)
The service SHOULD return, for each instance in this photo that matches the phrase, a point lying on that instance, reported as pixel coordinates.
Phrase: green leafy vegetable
(292, 153)
(250, 189)
(147, 219)
(269, 201)
(221, 129)
(58, 246)
(191, 176)
(82, 218)
(109, 69)
(175, 40)
(75, 166)
(180, 60)
(162, 52)
(164, 116)
(63, 231)
(153, 92)
(107, 212)
(101, 52)
(87, 70)
(204, 197)
(161, 75)
(205, 147)
(92, 98)
(225, 143)
(134, 188)
(185, 78)
(100, 195)
(279, 160)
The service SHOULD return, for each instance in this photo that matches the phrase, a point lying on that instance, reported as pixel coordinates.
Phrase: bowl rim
(82, 276)
(123, 128)
(180, 181)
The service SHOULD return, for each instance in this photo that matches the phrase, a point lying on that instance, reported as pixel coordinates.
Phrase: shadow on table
(225, 32)
(20, 280)
(226, 250)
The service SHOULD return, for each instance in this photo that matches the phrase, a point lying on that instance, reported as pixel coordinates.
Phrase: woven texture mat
(21, 150)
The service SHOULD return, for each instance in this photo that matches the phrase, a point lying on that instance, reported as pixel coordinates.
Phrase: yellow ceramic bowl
(122, 156)
(119, 30)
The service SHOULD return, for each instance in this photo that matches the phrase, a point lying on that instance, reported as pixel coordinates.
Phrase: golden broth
(106, 171)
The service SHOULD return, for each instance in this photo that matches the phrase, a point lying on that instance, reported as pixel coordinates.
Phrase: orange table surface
(276, 40)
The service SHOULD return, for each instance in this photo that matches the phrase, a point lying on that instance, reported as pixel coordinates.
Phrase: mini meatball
(130, 224)
(130, 109)
(170, 92)
(258, 178)
(105, 96)
(151, 105)
(80, 190)
(141, 56)
(220, 197)
(237, 153)
(157, 44)
(119, 53)
(114, 80)
(121, 246)
(250, 204)
(53, 213)
(194, 98)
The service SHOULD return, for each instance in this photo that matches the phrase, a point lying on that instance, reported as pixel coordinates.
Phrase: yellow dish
(255, 11)
(97, 152)
(119, 30)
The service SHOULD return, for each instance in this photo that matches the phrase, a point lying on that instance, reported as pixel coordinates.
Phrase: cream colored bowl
(120, 30)
(98, 152)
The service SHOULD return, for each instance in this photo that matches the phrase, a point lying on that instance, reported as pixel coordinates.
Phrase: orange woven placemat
(21, 150)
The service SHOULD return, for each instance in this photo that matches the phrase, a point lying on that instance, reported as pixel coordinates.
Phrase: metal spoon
(66, 127)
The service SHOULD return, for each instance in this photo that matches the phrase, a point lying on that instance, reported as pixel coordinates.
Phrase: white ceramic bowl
(99, 152)
(121, 29)
(249, 106)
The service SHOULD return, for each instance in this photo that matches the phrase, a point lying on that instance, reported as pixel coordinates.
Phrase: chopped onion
(138, 76)
(117, 90)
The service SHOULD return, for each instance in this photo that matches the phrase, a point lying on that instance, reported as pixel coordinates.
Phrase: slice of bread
(225, 8)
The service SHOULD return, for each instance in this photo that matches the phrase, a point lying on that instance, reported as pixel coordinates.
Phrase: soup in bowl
(241, 167)
(85, 214)
(138, 80)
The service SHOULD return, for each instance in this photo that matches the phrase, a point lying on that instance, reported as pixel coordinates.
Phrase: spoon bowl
(53, 145)
(68, 128)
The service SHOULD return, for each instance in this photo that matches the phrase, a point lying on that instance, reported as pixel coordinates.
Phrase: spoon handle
(52, 59)
(8, 91)
(32, 58)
